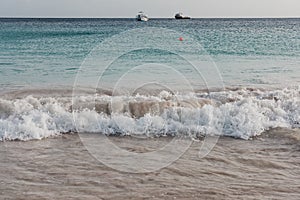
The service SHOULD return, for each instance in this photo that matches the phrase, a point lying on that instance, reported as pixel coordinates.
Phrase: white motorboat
(141, 16)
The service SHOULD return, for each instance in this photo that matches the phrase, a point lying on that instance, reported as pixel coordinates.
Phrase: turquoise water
(247, 52)
(159, 78)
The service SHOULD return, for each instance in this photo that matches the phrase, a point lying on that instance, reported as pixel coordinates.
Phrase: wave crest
(241, 113)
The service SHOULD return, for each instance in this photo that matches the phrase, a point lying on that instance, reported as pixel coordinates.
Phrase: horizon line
(120, 17)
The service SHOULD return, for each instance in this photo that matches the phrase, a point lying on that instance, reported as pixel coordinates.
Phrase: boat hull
(182, 18)
(142, 19)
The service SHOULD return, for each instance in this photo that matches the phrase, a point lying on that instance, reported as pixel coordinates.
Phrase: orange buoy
(180, 38)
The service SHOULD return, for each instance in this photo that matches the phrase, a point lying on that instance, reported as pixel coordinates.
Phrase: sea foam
(241, 113)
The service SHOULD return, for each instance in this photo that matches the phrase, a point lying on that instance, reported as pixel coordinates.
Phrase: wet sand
(267, 167)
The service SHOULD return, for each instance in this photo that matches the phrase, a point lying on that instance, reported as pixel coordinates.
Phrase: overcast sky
(154, 8)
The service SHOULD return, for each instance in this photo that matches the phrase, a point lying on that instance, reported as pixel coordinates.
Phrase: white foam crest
(240, 114)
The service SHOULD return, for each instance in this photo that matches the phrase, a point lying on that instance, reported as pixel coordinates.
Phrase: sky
(154, 8)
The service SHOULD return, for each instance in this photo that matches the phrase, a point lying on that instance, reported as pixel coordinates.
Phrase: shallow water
(266, 167)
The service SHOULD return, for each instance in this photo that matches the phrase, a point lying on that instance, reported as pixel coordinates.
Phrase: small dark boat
(181, 16)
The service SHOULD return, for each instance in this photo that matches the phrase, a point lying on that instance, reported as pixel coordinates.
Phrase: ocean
(200, 108)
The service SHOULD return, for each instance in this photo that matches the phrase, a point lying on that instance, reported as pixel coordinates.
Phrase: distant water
(255, 58)
(259, 52)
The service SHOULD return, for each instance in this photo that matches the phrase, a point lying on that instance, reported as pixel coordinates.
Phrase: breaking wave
(240, 113)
